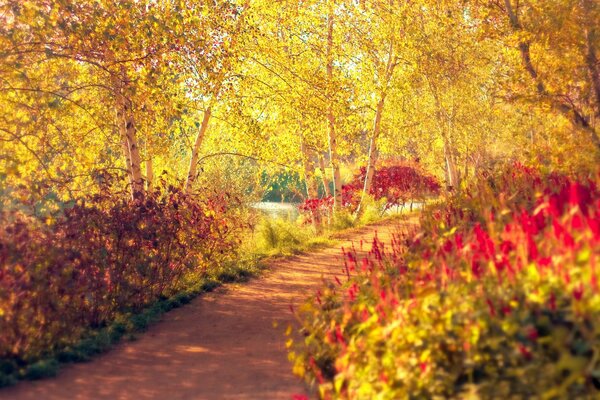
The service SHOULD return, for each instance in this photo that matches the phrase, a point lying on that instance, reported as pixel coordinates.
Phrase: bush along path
(494, 295)
(228, 344)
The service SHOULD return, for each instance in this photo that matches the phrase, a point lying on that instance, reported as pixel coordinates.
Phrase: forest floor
(228, 344)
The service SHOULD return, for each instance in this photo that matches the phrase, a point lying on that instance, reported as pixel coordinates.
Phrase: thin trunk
(373, 156)
(125, 146)
(311, 186)
(568, 110)
(134, 151)
(335, 166)
(444, 125)
(388, 73)
(452, 178)
(149, 173)
(324, 176)
(193, 168)
(333, 157)
(128, 133)
(593, 66)
(373, 153)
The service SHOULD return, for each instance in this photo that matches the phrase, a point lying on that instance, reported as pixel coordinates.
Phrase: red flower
(491, 307)
(525, 352)
(532, 334)
(578, 292)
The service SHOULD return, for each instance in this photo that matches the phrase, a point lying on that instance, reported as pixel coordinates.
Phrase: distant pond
(288, 211)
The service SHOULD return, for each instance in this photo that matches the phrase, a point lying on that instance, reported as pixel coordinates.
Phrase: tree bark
(193, 168)
(333, 156)
(134, 151)
(125, 147)
(128, 133)
(373, 156)
(452, 178)
(149, 173)
(326, 188)
(311, 186)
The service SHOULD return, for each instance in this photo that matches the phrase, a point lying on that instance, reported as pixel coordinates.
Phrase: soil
(228, 344)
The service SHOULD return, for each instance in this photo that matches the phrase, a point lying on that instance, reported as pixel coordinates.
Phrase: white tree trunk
(128, 133)
(333, 157)
(149, 173)
(324, 176)
(452, 175)
(373, 155)
(311, 185)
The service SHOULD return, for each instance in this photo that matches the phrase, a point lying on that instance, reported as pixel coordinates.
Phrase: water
(287, 211)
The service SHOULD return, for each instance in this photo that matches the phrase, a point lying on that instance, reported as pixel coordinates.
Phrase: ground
(228, 344)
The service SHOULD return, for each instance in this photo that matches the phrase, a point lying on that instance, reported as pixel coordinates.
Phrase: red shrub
(397, 184)
(98, 257)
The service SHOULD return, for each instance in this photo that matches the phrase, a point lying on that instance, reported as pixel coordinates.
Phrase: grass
(280, 237)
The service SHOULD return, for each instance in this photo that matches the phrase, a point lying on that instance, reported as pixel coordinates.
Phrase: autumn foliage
(79, 268)
(398, 184)
(496, 293)
(393, 185)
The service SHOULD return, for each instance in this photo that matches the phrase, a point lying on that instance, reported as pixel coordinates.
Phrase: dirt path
(223, 345)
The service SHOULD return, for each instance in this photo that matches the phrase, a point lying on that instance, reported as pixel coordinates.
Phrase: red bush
(100, 256)
(496, 288)
(397, 184)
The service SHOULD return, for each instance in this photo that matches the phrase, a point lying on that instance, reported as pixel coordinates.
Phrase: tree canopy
(314, 88)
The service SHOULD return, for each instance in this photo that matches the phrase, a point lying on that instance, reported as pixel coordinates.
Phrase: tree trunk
(335, 166)
(193, 168)
(333, 157)
(326, 188)
(134, 151)
(373, 156)
(128, 133)
(226, 67)
(452, 178)
(593, 66)
(311, 186)
(149, 173)
(125, 146)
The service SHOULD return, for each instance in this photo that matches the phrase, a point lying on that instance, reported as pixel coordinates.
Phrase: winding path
(223, 345)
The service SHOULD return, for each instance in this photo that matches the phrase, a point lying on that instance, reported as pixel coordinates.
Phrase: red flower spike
(525, 352)
(532, 334)
(578, 292)
(491, 307)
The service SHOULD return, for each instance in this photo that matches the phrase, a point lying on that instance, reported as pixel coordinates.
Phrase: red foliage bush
(98, 257)
(498, 288)
(397, 184)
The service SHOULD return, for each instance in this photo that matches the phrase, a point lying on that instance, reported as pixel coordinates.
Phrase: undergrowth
(126, 325)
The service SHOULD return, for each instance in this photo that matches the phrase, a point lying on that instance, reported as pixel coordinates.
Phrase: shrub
(496, 293)
(103, 255)
(393, 185)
